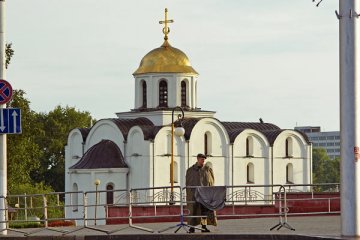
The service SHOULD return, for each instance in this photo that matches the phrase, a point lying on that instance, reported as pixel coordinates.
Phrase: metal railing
(92, 208)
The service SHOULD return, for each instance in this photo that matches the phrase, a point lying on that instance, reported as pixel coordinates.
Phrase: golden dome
(165, 59)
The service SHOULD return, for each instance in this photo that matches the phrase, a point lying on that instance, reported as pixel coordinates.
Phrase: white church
(133, 150)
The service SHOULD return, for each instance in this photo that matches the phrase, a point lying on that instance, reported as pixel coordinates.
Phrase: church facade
(134, 149)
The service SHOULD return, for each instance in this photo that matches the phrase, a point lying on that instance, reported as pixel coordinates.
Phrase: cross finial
(166, 29)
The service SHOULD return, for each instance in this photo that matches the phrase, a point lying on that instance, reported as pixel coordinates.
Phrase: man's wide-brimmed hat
(200, 155)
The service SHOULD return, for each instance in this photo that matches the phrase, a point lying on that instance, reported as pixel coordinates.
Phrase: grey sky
(275, 59)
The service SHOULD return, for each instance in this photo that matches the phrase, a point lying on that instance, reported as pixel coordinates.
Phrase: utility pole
(3, 150)
(349, 47)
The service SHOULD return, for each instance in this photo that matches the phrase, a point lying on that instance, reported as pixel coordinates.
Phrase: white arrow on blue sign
(10, 120)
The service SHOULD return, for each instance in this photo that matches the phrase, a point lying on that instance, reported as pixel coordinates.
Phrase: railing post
(45, 211)
(6, 213)
(245, 195)
(85, 208)
(25, 206)
(130, 207)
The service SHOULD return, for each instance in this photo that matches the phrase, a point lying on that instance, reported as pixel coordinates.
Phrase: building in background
(330, 141)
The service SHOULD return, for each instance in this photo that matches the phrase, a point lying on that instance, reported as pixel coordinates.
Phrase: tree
(57, 124)
(37, 155)
(320, 158)
(23, 152)
(325, 170)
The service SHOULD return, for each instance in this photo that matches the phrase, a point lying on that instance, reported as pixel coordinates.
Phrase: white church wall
(258, 155)
(174, 89)
(218, 142)
(257, 158)
(105, 129)
(162, 160)
(73, 153)
(75, 148)
(139, 92)
(138, 158)
(85, 181)
(297, 158)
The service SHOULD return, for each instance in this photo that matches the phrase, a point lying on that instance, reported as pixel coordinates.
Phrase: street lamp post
(178, 131)
(97, 183)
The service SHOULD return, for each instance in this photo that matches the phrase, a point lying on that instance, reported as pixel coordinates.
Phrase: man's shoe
(204, 229)
(191, 230)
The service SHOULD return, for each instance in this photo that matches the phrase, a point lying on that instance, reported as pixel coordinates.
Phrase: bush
(60, 224)
(26, 225)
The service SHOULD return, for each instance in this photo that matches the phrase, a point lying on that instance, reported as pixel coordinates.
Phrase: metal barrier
(283, 211)
(89, 209)
(29, 206)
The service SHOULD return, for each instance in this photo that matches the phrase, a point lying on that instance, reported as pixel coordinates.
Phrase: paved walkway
(306, 227)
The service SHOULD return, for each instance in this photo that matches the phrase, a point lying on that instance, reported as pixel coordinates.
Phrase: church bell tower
(165, 78)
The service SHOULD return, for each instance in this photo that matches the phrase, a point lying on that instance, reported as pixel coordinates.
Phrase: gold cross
(166, 29)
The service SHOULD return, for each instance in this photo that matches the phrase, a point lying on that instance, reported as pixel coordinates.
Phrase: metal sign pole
(3, 149)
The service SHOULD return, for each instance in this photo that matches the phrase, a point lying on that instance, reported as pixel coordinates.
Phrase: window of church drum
(144, 94)
(163, 94)
(289, 148)
(183, 94)
(250, 173)
(109, 194)
(289, 174)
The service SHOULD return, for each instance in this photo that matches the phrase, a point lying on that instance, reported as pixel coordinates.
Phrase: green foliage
(37, 155)
(325, 170)
(57, 124)
(9, 53)
(23, 152)
(26, 225)
(31, 196)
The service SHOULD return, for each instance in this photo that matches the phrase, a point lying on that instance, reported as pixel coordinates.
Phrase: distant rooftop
(308, 129)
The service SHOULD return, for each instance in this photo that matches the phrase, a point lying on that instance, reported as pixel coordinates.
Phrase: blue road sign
(10, 120)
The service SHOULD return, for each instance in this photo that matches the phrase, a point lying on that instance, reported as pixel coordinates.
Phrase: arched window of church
(144, 94)
(289, 174)
(163, 94)
(289, 147)
(110, 193)
(75, 197)
(249, 147)
(250, 173)
(207, 143)
(168, 144)
(183, 94)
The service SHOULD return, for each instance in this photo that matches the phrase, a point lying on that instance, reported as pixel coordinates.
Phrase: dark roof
(105, 154)
(272, 135)
(188, 124)
(252, 125)
(126, 124)
(235, 128)
(84, 132)
(304, 135)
